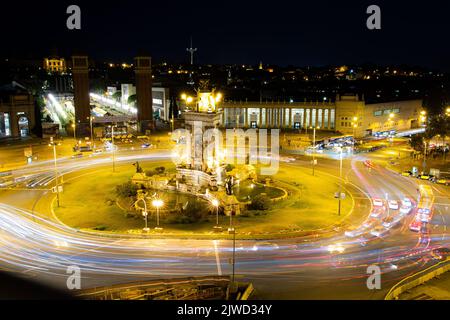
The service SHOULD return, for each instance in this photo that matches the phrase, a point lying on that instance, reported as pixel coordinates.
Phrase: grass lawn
(88, 203)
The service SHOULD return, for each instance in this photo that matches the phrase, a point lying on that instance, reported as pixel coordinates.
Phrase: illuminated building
(347, 114)
(55, 65)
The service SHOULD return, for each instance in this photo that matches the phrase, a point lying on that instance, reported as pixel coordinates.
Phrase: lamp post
(215, 203)
(144, 213)
(91, 118)
(113, 149)
(74, 132)
(54, 144)
(340, 182)
(314, 150)
(355, 125)
(157, 203)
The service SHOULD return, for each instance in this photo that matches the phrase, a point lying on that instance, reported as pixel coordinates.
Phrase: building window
(325, 118)
(332, 118)
(319, 118)
(308, 113)
(314, 113)
(378, 113)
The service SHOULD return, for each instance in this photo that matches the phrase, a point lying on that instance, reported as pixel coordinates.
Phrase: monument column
(80, 74)
(143, 72)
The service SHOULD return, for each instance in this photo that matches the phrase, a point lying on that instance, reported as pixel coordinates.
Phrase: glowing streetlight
(183, 96)
(157, 203)
(189, 99)
(218, 97)
(74, 131)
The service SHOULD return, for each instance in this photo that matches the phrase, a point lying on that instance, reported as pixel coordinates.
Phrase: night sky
(278, 32)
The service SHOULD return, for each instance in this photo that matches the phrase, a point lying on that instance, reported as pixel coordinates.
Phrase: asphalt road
(36, 246)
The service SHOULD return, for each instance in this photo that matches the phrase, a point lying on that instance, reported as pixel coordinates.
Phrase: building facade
(347, 114)
(17, 111)
(55, 65)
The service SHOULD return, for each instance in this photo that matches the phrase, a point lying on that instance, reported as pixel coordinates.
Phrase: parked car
(393, 204)
(406, 173)
(444, 181)
(415, 226)
(377, 202)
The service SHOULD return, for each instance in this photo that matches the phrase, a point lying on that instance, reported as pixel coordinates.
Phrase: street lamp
(354, 125)
(144, 213)
(74, 132)
(314, 149)
(113, 148)
(54, 144)
(157, 203)
(215, 204)
(340, 181)
(91, 118)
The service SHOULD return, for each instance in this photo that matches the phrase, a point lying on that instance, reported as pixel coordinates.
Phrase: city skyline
(323, 33)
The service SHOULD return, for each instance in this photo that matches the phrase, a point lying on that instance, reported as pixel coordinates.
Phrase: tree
(127, 190)
(260, 202)
(132, 99)
(417, 142)
(117, 95)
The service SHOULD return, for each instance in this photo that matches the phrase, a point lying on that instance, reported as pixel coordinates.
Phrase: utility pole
(340, 184)
(54, 144)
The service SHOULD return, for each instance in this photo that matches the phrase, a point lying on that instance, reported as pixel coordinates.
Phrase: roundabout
(299, 207)
(37, 246)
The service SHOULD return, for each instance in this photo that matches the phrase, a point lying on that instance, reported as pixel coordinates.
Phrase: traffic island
(299, 205)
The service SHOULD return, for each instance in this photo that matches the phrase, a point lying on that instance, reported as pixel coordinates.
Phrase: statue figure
(229, 182)
(138, 167)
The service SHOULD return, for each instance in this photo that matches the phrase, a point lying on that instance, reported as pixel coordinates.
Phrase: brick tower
(80, 71)
(143, 70)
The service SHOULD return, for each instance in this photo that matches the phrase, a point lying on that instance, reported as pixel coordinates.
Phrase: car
(405, 210)
(406, 202)
(424, 217)
(377, 202)
(424, 176)
(98, 151)
(440, 253)
(379, 231)
(146, 145)
(444, 181)
(370, 223)
(378, 212)
(393, 204)
(406, 173)
(415, 226)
